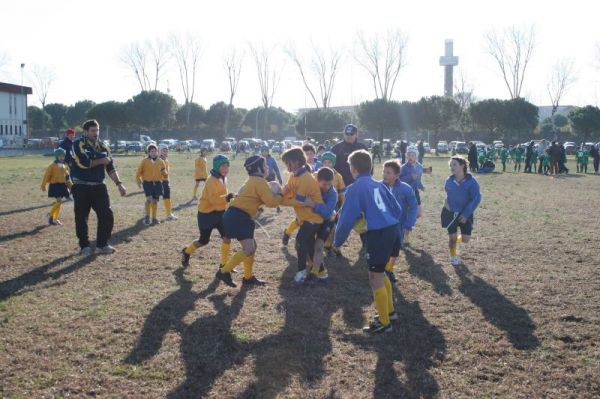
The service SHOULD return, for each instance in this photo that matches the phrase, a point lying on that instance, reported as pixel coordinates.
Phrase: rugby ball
(275, 187)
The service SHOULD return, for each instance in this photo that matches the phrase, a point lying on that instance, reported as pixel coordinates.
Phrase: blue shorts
(153, 189)
(465, 228)
(398, 244)
(380, 244)
(418, 197)
(238, 224)
(207, 222)
(325, 230)
(166, 189)
(58, 190)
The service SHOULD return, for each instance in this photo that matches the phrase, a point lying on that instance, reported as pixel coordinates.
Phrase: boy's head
(163, 151)
(328, 159)
(391, 171)
(59, 154)
(309, 150)
(70, 133)
(203, 151)
(220, 165)
(256, 166)
(320, 149)
(411, 154)
(294, 159)
(264, 151)
(360, 163)
(152, 150)
(325, 178)
(458, 164)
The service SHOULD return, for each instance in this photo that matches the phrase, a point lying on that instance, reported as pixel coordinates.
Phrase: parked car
(183, 145)
(452, 145)
(498, 144)
(426, 147)
(225, 146)
(461, 147)
(209, 144)
(570, 148)
(194, 144)
(170, 143)
(442, 146)
(277, 147)
(480, 144)
(135, 146)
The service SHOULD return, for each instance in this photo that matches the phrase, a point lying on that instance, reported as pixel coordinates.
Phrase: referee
(91, 159)
(343, 149)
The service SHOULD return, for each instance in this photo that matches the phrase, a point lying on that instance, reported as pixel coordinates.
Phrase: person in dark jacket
(67, 145)
(595, 154)
(403, 147)
(343, 149)
(555, 154)
(528, 154)
(472, 157)
(421, 149)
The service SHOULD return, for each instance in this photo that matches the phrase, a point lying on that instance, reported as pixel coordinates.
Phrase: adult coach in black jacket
(345, 148)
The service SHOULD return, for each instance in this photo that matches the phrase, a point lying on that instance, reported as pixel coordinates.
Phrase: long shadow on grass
(21, 234)
(416, 343)
(422, 265)
(31, 208)
(498, 310)
(44, 272)
(301, 345)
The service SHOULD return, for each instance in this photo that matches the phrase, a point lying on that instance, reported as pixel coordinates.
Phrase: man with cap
(67, 145)
(344, 149)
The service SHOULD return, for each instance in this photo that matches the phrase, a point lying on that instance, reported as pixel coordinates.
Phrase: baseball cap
(70, 132)
(350, 129)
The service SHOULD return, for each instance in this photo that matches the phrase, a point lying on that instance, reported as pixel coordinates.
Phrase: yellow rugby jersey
(213, 195)
(151, 170)
(200, 172)
(303, 185)
(167, 169)
(254, 193)
(56, 173)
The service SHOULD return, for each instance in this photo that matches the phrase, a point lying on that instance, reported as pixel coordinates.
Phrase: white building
(13, 114)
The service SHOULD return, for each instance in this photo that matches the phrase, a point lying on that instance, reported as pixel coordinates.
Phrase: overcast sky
(81, 40)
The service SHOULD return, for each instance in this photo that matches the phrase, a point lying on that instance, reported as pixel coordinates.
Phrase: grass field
(519, 318)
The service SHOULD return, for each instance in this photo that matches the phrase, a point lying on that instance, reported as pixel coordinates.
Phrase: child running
(163, 153)
(411, 173)
(238, 222)
(462, 198)
(405, 196)
(200, 173)
(372, 199)
(211, 208)
(150, 175)
(59, 182)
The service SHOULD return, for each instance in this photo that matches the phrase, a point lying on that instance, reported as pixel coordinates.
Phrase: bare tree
(512, 48)
(323, 67)
(233, 67)
(464, 97)
(159, 58)
(382, 57)
(146, 61)
(186, 50)
(269, 75)
(561, 77)
(42, 79)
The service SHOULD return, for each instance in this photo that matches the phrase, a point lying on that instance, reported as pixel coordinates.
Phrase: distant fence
(17, 152)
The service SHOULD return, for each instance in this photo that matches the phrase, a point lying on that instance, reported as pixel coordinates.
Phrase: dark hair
(361, 161)
(393, 164)
(461, 161)
(295, 154)
(90, 123)
(320, 147)
(308, 147)
(325, 174)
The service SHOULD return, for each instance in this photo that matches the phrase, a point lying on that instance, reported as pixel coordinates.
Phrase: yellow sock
(459, 239)
(235, 260)
(191, 248)
(154, 209)
(388, 289)
(453, 250)
(248, 264)
(52, 212)
(148, 208)
(168, 206)
(225, 252)
(389, 267)
(381, 303)
(57, 211)
(293, 226)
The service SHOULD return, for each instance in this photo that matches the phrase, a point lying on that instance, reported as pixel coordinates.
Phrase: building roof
(544, 111)
(10, 88)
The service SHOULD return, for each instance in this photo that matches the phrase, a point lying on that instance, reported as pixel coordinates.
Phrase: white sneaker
(171, 217)
(300, 277)
(107, 250)
(86, 251)
(454, 260)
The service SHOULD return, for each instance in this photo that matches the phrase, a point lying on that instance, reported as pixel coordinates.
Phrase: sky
(80, 42)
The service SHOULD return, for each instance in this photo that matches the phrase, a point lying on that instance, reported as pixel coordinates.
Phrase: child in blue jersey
(463, 197)
(411, 173)
(382, 213)
(405, 196)
(311, 159)
(327, 211)
(273, 167)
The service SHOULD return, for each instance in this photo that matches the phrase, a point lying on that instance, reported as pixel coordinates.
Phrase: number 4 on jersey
(378, 200)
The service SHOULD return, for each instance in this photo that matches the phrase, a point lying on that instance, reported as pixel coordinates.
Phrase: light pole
(23, 104)
(256, 129)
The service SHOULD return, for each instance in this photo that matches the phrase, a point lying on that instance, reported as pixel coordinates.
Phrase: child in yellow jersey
(150, 174)
(163, 153)
(301, 186)
(200, 173)
(211, 208)
(59, 181)
(238, 222)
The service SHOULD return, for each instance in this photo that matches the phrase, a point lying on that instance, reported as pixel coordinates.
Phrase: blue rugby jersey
(373, 199)
(330, 200)
(463, 197)
(411, 174)
(405, 195)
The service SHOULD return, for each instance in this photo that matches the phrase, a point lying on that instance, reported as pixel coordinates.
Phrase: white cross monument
(448, 61)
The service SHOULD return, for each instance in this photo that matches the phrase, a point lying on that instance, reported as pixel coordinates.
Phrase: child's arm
(267, 197)
(349, 213)
(475, 200)
(411, 212)
(163, 171)
(46, 178)
(277, 173)
(138, 174)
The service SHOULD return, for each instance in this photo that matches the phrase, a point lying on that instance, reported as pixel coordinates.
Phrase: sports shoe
(253, 281)
(393, 316)
(171, 217)
(185, 258)
(58, 222)
(391, 276)
(50, 220)
(86, 251)
(454, 260)
(285, 239)
(376, 327)
(278, 210)
(147, 220)
(226, 278)
(107, 250)
(221, 266)
(300, 277)
(155, 221)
